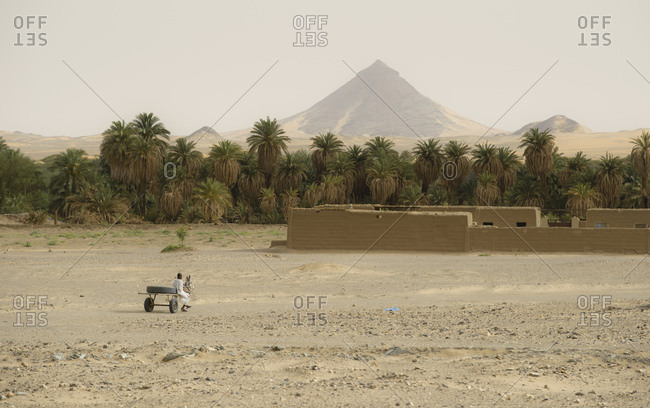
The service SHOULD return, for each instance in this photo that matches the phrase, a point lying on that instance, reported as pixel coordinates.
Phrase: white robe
(184, 297)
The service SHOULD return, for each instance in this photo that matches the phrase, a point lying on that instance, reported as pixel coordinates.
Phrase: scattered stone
(172, 355)
(534, 374)
(394, 351)
(57, 357)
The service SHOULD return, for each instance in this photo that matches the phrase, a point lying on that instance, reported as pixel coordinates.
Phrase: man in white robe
(183, 297)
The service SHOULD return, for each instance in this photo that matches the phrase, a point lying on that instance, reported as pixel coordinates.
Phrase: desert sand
(471, 330)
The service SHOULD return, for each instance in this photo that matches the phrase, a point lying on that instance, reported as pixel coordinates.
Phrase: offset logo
(30, 31)
(310, 310)
(29, 311)
(593, 31)
(309, 30)
(169, 170)
(593, 310)
(449, 170)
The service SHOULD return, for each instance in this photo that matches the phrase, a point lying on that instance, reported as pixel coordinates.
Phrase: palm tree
(381, 178)
(251, 179)
(485, 158)
(290, 172)
(509, 164)
(404, 174)
(313, 194)
(241, 213)
(527, 191)
(148, 126)
(3, 144)
(631, 196)
(184, 154)
(574, 166)
(188, 161)
(225, 157)
(268, 201)
(171, 199)
(290, 200)
(214, 199)
(609, 180)
(581, 197)
(538, 152)
(456, 155)
(71, 171)
(640, 158)
(428, 160)
(333, 189)
(412, 195)
(379, 145)
(342, 165)
(325, 145)
(115, 146)
(357, 157)
(146, 156)
(487, 190)
(101, 202)
(268, 140)
(147, 151)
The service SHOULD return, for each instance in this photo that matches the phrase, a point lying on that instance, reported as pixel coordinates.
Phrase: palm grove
(139, 176)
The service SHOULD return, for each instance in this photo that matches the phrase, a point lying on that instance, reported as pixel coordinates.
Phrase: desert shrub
(181, 233)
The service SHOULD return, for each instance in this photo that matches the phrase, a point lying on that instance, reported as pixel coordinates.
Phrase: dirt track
(468, 326)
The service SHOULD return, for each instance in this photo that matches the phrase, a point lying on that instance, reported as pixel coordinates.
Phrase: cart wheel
(173, 305)
(148, 304)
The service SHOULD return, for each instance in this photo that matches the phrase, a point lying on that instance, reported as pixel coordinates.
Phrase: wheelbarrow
(167, 292)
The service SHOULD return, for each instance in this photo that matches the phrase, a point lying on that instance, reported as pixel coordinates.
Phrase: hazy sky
(189, 61)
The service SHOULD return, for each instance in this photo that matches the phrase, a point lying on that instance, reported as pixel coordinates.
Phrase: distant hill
(38, 147)
(556, 124)
(357, 109)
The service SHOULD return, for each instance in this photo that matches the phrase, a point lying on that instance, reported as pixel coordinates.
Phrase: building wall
(338, 228)
(345, 229)
(612, 240)
(498, 216)
(617, 217)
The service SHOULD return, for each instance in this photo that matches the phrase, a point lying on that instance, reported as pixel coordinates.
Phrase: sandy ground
(472, 330)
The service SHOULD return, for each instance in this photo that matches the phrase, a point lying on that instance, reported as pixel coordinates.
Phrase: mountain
(556, 124)
(205, 131)
(204, 138)
(357, 109)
